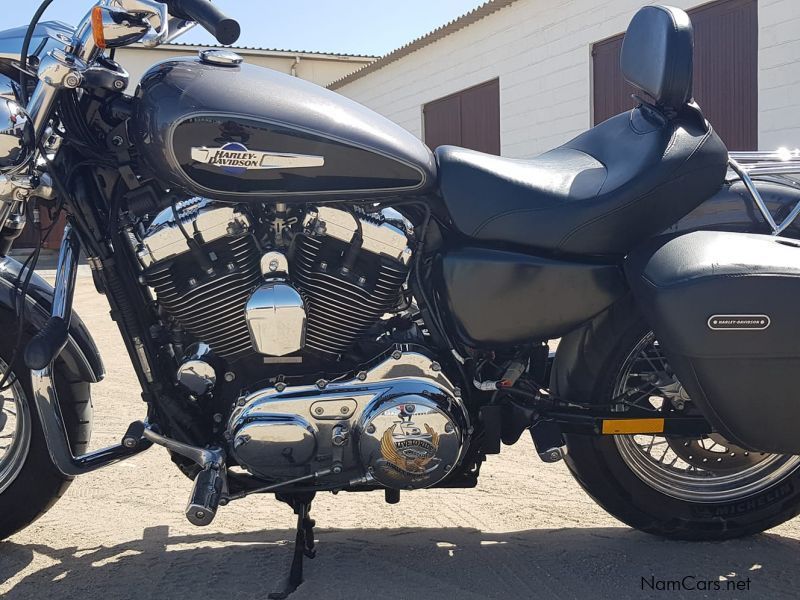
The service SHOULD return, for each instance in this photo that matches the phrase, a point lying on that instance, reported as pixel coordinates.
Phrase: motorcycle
(314, 301)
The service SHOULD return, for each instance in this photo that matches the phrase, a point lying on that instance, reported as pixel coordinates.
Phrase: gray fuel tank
(240, 131)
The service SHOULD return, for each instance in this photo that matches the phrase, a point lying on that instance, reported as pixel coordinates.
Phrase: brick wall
(541, 51)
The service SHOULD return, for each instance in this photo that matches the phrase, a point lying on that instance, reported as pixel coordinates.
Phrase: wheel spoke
(703, 469)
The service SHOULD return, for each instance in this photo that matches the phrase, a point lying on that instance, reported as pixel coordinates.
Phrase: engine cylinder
(342, 307)
(211, 306)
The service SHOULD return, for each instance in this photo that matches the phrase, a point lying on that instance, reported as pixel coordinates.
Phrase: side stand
(303, 544)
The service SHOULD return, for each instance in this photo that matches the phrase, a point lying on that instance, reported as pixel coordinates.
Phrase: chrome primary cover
(409, 442)
(402, 423)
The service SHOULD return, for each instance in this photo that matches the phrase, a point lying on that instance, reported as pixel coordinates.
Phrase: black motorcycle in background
(312, 300)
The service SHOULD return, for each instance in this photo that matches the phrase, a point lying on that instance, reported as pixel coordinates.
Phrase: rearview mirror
(114, 28)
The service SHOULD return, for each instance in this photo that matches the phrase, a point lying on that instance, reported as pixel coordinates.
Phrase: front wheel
(702, 488)
(29, 481)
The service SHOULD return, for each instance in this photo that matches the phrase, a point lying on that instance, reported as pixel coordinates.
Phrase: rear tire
(603, 466)
(29, 490)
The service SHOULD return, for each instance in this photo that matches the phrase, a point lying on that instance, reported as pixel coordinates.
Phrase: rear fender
(730, 209)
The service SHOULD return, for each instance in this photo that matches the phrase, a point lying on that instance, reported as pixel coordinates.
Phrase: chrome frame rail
(44, 391)
(779, 163)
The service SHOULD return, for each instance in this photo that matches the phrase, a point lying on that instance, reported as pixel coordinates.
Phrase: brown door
(725, 71)
(470, 118)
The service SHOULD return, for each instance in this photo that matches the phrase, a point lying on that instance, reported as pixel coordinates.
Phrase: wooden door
(725, 71)
(469, 118)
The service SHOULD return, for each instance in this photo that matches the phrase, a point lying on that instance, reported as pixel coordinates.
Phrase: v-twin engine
(401, 423)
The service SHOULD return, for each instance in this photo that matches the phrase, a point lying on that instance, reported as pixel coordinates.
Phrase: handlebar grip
(46, 344)
(208, 16)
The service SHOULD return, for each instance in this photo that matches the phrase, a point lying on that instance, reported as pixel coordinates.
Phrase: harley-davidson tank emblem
(738, 322)
(409, 450)
(235, 158)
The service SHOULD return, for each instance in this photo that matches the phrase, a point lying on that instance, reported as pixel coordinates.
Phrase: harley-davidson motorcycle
(313, 300)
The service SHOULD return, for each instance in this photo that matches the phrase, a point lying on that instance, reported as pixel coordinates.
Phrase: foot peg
(303, 546)
(549, 442)
(206, 493)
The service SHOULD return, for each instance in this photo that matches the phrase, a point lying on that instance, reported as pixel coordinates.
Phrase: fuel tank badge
(234, 158)
(738, 322)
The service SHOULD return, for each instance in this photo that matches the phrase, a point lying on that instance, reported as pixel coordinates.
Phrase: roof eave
(464, 21)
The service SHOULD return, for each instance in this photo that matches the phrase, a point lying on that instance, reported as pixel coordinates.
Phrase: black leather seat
(613, 186)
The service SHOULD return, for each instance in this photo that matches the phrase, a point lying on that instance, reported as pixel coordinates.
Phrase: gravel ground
(527, 531)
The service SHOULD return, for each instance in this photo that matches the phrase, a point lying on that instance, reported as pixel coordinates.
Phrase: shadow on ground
(404, 563)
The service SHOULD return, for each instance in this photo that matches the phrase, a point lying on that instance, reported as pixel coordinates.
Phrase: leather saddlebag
(726, 309)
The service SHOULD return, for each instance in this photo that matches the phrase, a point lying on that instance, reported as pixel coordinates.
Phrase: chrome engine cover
(402, 423)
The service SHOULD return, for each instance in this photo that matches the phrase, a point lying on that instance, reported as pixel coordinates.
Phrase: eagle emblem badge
(409, 450)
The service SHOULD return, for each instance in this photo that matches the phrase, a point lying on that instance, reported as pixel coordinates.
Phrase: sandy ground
(527, 531)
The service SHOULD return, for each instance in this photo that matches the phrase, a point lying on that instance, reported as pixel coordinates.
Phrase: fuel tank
(234, 132)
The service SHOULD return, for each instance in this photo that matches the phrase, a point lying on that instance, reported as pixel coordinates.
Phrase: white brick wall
(779, 73)
(541, 51)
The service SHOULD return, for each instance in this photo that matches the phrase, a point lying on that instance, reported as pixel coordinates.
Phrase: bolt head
(344, 410)
(273, 265)
(337, 469)
(362, 376)
(322, 384)
(371, 428)
(448, 428)
(280, 386)
(397, 355)
(217, 418)
(230, 376)
(319, 410)
(200, 514)
(129, 443)
(436, 367)
(119, 84)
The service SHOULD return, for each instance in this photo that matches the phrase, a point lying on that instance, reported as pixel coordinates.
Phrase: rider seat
(614, 186)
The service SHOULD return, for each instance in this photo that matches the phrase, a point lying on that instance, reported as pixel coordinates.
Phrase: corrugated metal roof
(484, 10)
(172, 45)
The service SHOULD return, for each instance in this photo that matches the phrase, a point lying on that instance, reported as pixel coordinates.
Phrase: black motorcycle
(312, 300)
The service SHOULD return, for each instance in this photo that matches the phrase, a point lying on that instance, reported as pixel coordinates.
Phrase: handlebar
(208, 16)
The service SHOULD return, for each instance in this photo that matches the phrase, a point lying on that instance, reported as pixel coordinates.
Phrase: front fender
(80, 356)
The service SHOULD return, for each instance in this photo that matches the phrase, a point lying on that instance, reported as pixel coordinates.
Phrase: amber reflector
(629, 426)
(97, 27)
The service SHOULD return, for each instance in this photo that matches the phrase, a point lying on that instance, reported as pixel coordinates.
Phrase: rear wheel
(29, 481)
(703, 488)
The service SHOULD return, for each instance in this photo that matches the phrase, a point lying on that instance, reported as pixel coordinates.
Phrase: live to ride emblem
(738, 322)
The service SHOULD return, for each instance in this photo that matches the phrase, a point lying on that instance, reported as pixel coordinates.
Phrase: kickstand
(303, 544)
